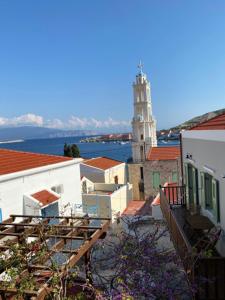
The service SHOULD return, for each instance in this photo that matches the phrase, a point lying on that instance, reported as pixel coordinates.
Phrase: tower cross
(140, 66)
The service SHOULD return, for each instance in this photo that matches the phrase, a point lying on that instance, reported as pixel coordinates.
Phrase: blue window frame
(0, 215)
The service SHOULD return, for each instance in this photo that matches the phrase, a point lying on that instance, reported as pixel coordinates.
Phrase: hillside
(32, 132)
(198, 119)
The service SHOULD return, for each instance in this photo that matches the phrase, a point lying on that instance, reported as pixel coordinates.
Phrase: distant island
(34, 132)
(106, 138)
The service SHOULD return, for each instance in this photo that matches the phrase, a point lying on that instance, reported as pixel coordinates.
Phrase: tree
(71, 150)
(75, 150)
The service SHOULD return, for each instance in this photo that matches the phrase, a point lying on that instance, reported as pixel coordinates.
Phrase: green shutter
(194, 185)
(202, 200)
(156, 180)
(186, 182)
(174, 177)
(215, 199)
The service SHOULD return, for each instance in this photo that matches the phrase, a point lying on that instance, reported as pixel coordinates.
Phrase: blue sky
(71, 64)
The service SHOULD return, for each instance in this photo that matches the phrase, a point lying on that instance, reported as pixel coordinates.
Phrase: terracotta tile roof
(134, 207)
(45, 197)
(164, 153)
(103, 163)
(14, 161)
(216, 123)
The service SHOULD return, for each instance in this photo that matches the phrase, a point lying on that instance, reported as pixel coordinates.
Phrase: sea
(114, 150)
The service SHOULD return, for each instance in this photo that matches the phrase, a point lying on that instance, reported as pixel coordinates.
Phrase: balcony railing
(210, 270)
(170, 196)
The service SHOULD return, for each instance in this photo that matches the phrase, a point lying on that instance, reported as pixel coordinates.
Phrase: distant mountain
(32, 132)
(198, 119)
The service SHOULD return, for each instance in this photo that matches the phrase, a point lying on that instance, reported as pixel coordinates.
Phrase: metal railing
(175, 195)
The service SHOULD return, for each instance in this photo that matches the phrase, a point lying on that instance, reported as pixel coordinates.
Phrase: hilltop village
(85, 200)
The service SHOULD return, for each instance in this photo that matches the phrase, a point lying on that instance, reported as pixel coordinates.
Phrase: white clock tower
(143, 123)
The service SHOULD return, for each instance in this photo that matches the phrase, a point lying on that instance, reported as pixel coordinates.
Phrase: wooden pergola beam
(31, 230)
(86, 246)
(60, 217)
(50, 226)
(20, 234)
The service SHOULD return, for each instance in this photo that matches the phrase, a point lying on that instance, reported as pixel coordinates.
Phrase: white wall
(97, 204)
(31, 207)
(207, 148)
(120, 171)
(12, 190)
(111, 187)
(120, 200)
(111, 204)
(104, 176)
(93, 174)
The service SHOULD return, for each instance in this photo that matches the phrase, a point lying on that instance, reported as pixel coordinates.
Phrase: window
(58, 189)
(210, 194)
(142, 152)
(142, 173)
(174, 177)
(208, 191)
(116, 179)
(142, 136)
(191, 182)
(156, 179)
(0, 215)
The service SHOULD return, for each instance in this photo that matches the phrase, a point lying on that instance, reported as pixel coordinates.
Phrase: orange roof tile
(45, 197)
(164, 153)
(103, 163)
(15, 161)
(134, 207)
(216, 123)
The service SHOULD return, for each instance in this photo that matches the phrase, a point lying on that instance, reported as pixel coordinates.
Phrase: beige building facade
(136, 178)
(159, 172)
(162, 165)
(105, 170)
(105, 200)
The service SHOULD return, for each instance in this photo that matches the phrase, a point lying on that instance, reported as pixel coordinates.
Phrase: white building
(103, 169)
(143, 123)
(105, 200)
(37, 184)
(204, 170)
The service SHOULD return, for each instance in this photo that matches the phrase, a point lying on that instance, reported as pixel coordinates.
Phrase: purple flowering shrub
(138, 263)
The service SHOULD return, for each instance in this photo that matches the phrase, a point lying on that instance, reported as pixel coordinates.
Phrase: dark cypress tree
(67, 150)
(75, 150)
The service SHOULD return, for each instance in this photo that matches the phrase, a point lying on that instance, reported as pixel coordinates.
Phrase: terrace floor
(181, 213)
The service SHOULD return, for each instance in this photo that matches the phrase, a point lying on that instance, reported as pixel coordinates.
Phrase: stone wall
(134, 177)
(165, 167)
